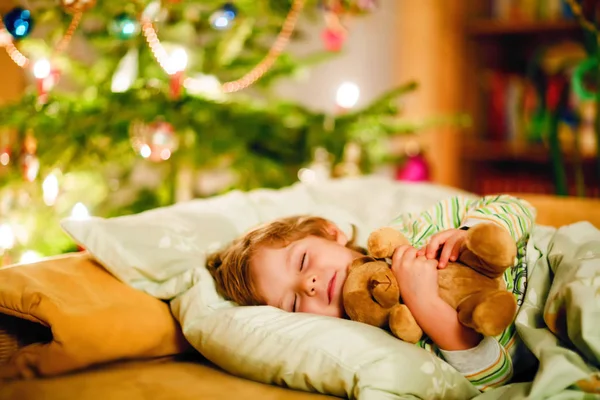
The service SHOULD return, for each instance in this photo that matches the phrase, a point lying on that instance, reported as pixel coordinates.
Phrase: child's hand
(416, 275)
(452, 241)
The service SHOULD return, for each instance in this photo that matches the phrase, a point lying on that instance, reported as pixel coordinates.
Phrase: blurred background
(111, 108)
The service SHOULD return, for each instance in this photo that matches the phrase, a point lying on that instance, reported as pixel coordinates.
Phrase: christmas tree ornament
(162, 57)
(18, 22)
(29, 161)
(163, 141)
(223, 18)
(416, 168)
(77, 5)
(230, 10)
(155, 141)
(22, 26)
(124, 26)
(334, 35)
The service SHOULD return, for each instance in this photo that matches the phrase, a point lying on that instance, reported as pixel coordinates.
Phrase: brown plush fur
(473, 285)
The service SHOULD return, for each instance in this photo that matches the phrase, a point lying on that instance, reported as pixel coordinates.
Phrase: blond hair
(230, 267)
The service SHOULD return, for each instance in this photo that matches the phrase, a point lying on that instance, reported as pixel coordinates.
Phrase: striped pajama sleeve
(488, 365)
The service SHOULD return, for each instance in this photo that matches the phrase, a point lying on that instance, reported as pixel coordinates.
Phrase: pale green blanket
(559, 321)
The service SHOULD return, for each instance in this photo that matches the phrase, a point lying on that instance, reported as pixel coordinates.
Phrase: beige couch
(92, 337)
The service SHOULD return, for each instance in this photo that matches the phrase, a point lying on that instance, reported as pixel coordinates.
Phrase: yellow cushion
(92, 318)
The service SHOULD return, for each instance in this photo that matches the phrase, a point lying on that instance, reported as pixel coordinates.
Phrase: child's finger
(455, 252)
(398, 254)
(433, 247)
(447, 251)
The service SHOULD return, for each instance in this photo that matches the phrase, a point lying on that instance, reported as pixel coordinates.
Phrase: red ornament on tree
(333, 40)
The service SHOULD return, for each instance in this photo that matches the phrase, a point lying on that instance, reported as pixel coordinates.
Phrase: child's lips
(331, 287)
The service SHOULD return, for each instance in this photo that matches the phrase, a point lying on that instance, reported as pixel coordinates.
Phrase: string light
(20, 59)
(41, 68)
(255, 74)
(347, 95)
(7, 237)
(50, 189)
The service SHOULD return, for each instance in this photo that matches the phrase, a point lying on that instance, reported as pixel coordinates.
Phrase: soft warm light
(41, 68)
(4, 158)
(50, 189)
(165, 154)
(205, 85)
(347, 95)
(145, 151)
(120, 83)
(177, 61)
(307, 175)
(29, 257)
(80, 211)
(126, 72)
(7, 237)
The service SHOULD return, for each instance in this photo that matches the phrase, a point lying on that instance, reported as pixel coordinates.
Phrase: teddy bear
(473, 285)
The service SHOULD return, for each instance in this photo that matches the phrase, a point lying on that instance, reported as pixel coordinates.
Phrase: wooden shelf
(507, 151)
(490, 27)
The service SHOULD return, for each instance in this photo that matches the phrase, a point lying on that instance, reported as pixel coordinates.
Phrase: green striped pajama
(517, 216)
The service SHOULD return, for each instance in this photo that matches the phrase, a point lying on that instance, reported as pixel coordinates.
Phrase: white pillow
(163, 253)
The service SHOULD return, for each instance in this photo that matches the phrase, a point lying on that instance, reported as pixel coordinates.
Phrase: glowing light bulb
(80, 211)
(7, 237)
(4, 158)
(50, 189)
(347, 95)
(145, 151)
(29, 257)
(177, 61)
(165, 154)
(41, 68)
(307, 175)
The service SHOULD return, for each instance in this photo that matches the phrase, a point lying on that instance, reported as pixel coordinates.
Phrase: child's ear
(338, 235)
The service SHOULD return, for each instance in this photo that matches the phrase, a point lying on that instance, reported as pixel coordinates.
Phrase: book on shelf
(530, 10)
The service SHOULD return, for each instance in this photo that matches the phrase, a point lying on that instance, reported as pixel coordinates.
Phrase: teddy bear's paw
(492, 245)
(403, 325)
(383, 242)
(495, 313)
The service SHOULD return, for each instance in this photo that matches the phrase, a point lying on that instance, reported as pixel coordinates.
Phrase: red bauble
(333, 39)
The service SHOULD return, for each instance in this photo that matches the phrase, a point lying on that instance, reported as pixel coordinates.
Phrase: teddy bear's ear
(360, 261)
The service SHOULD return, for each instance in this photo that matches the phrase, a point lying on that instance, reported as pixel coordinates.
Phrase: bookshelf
(509, 48)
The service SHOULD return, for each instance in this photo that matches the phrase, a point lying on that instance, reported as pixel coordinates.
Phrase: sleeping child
(299, 264)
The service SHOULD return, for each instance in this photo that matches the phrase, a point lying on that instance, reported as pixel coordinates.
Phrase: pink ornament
(415, 169)
(333, 39)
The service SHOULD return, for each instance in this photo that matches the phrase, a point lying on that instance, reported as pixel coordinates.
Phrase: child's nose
(310, 285)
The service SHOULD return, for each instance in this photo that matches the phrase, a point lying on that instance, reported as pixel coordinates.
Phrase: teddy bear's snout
(383, 290)
(387, 283)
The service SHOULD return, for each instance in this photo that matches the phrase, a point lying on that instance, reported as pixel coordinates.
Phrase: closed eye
(296, 296)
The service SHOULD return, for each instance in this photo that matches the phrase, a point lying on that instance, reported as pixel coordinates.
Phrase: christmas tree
(136, 105)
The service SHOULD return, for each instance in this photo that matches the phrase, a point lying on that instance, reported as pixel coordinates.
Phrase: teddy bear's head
(370, 291)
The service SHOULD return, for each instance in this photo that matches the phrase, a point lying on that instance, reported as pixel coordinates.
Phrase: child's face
(305, 276)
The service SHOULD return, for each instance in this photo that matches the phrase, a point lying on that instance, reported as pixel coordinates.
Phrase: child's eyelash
(295, 296)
